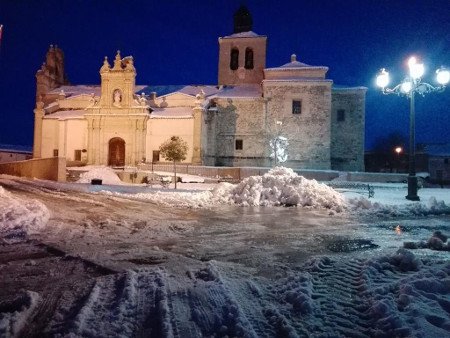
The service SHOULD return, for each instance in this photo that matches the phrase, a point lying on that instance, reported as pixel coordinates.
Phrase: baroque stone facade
(233, 123)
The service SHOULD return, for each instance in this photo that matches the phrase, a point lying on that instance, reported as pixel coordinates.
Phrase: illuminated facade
(230, 124)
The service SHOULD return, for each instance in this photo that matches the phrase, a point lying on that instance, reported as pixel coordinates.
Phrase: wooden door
(116, 153)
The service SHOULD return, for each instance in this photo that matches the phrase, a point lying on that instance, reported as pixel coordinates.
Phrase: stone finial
(106, 67)
(117, 62)
(129, 63)
(142, 100)
(293, 58)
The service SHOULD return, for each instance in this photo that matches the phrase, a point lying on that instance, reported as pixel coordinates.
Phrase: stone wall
(236, 119)
(53, 168)
(308, 133)
(347, 136)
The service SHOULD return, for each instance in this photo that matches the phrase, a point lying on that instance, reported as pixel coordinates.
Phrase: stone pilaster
(37, 141)
(197, 144)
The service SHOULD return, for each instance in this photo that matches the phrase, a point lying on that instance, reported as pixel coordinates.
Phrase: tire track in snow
(126, 304)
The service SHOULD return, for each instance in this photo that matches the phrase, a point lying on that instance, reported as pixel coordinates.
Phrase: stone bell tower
(51, 74)
(242, 55)
(118, 82)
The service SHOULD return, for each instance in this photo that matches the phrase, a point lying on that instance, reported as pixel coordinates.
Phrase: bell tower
(118, 83)
(242, 55)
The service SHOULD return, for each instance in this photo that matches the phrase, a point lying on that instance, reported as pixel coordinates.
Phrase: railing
(361, 188)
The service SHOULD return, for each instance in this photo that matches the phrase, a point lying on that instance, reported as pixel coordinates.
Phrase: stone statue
(117, 98)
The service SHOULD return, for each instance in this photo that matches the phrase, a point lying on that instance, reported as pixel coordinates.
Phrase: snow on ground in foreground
(397, 295)
(106, 174)
(20, 310)
(19, 217)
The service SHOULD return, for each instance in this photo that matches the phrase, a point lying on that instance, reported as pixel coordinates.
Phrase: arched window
(249, 58)
(234, 59)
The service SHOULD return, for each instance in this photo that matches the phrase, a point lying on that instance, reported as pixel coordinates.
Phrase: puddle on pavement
(349, 245)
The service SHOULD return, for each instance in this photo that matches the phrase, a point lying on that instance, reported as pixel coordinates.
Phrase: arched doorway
(116, 153)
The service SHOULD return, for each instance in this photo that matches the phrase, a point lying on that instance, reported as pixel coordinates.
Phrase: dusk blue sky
(175, 42)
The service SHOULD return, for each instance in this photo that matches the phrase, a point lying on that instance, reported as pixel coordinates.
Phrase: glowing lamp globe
(416, 70)
(442, 76)
(406, 87)
(383, 78)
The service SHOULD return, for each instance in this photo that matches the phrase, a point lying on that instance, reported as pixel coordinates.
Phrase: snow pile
(438, 241)
(362, 205)
(282, 186)
(171, 198)
(20, 217)
(279, 187)
(409, 296)
(107, 175)
(15, 314)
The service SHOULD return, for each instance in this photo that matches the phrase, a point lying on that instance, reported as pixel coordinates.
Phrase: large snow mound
(107, 175)
(19, 217)
(282, 186)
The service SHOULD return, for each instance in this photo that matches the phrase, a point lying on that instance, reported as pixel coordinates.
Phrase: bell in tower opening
(242, 20)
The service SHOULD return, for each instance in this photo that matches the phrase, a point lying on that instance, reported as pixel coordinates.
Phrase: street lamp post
(398, 150)
(411, 86)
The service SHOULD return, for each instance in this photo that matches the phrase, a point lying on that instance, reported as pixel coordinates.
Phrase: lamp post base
(412, 188)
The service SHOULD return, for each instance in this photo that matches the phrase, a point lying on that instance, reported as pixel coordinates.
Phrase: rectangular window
(55, 152)
(239, 145)
(341, 115)
(296, 107)
(78, 155)
(155, 156)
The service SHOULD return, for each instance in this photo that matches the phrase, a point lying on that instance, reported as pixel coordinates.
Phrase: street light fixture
(409, 87)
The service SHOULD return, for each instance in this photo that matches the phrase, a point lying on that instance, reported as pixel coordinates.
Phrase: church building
(254, 116)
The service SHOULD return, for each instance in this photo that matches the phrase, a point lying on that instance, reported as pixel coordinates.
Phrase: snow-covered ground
(222, 260)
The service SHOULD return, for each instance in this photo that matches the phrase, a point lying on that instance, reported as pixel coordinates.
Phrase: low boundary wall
(236, 173)
(53, 168)
(239, 173)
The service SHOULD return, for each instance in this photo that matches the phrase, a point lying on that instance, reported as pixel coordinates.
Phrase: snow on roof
(171, 113)
(191, 90)
(294, 64)
(84, 89)
(77, 90)
(14, 148)
(194, 90)
(160, 90)
(286, 67)
(298, 79)
(67, 114)
(241, 91)
(248, 34)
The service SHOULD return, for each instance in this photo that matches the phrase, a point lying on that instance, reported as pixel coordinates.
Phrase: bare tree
(277, 142)
(175, 150)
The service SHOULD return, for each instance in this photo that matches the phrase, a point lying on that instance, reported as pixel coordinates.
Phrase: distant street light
(411, 85)
(398, 151)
